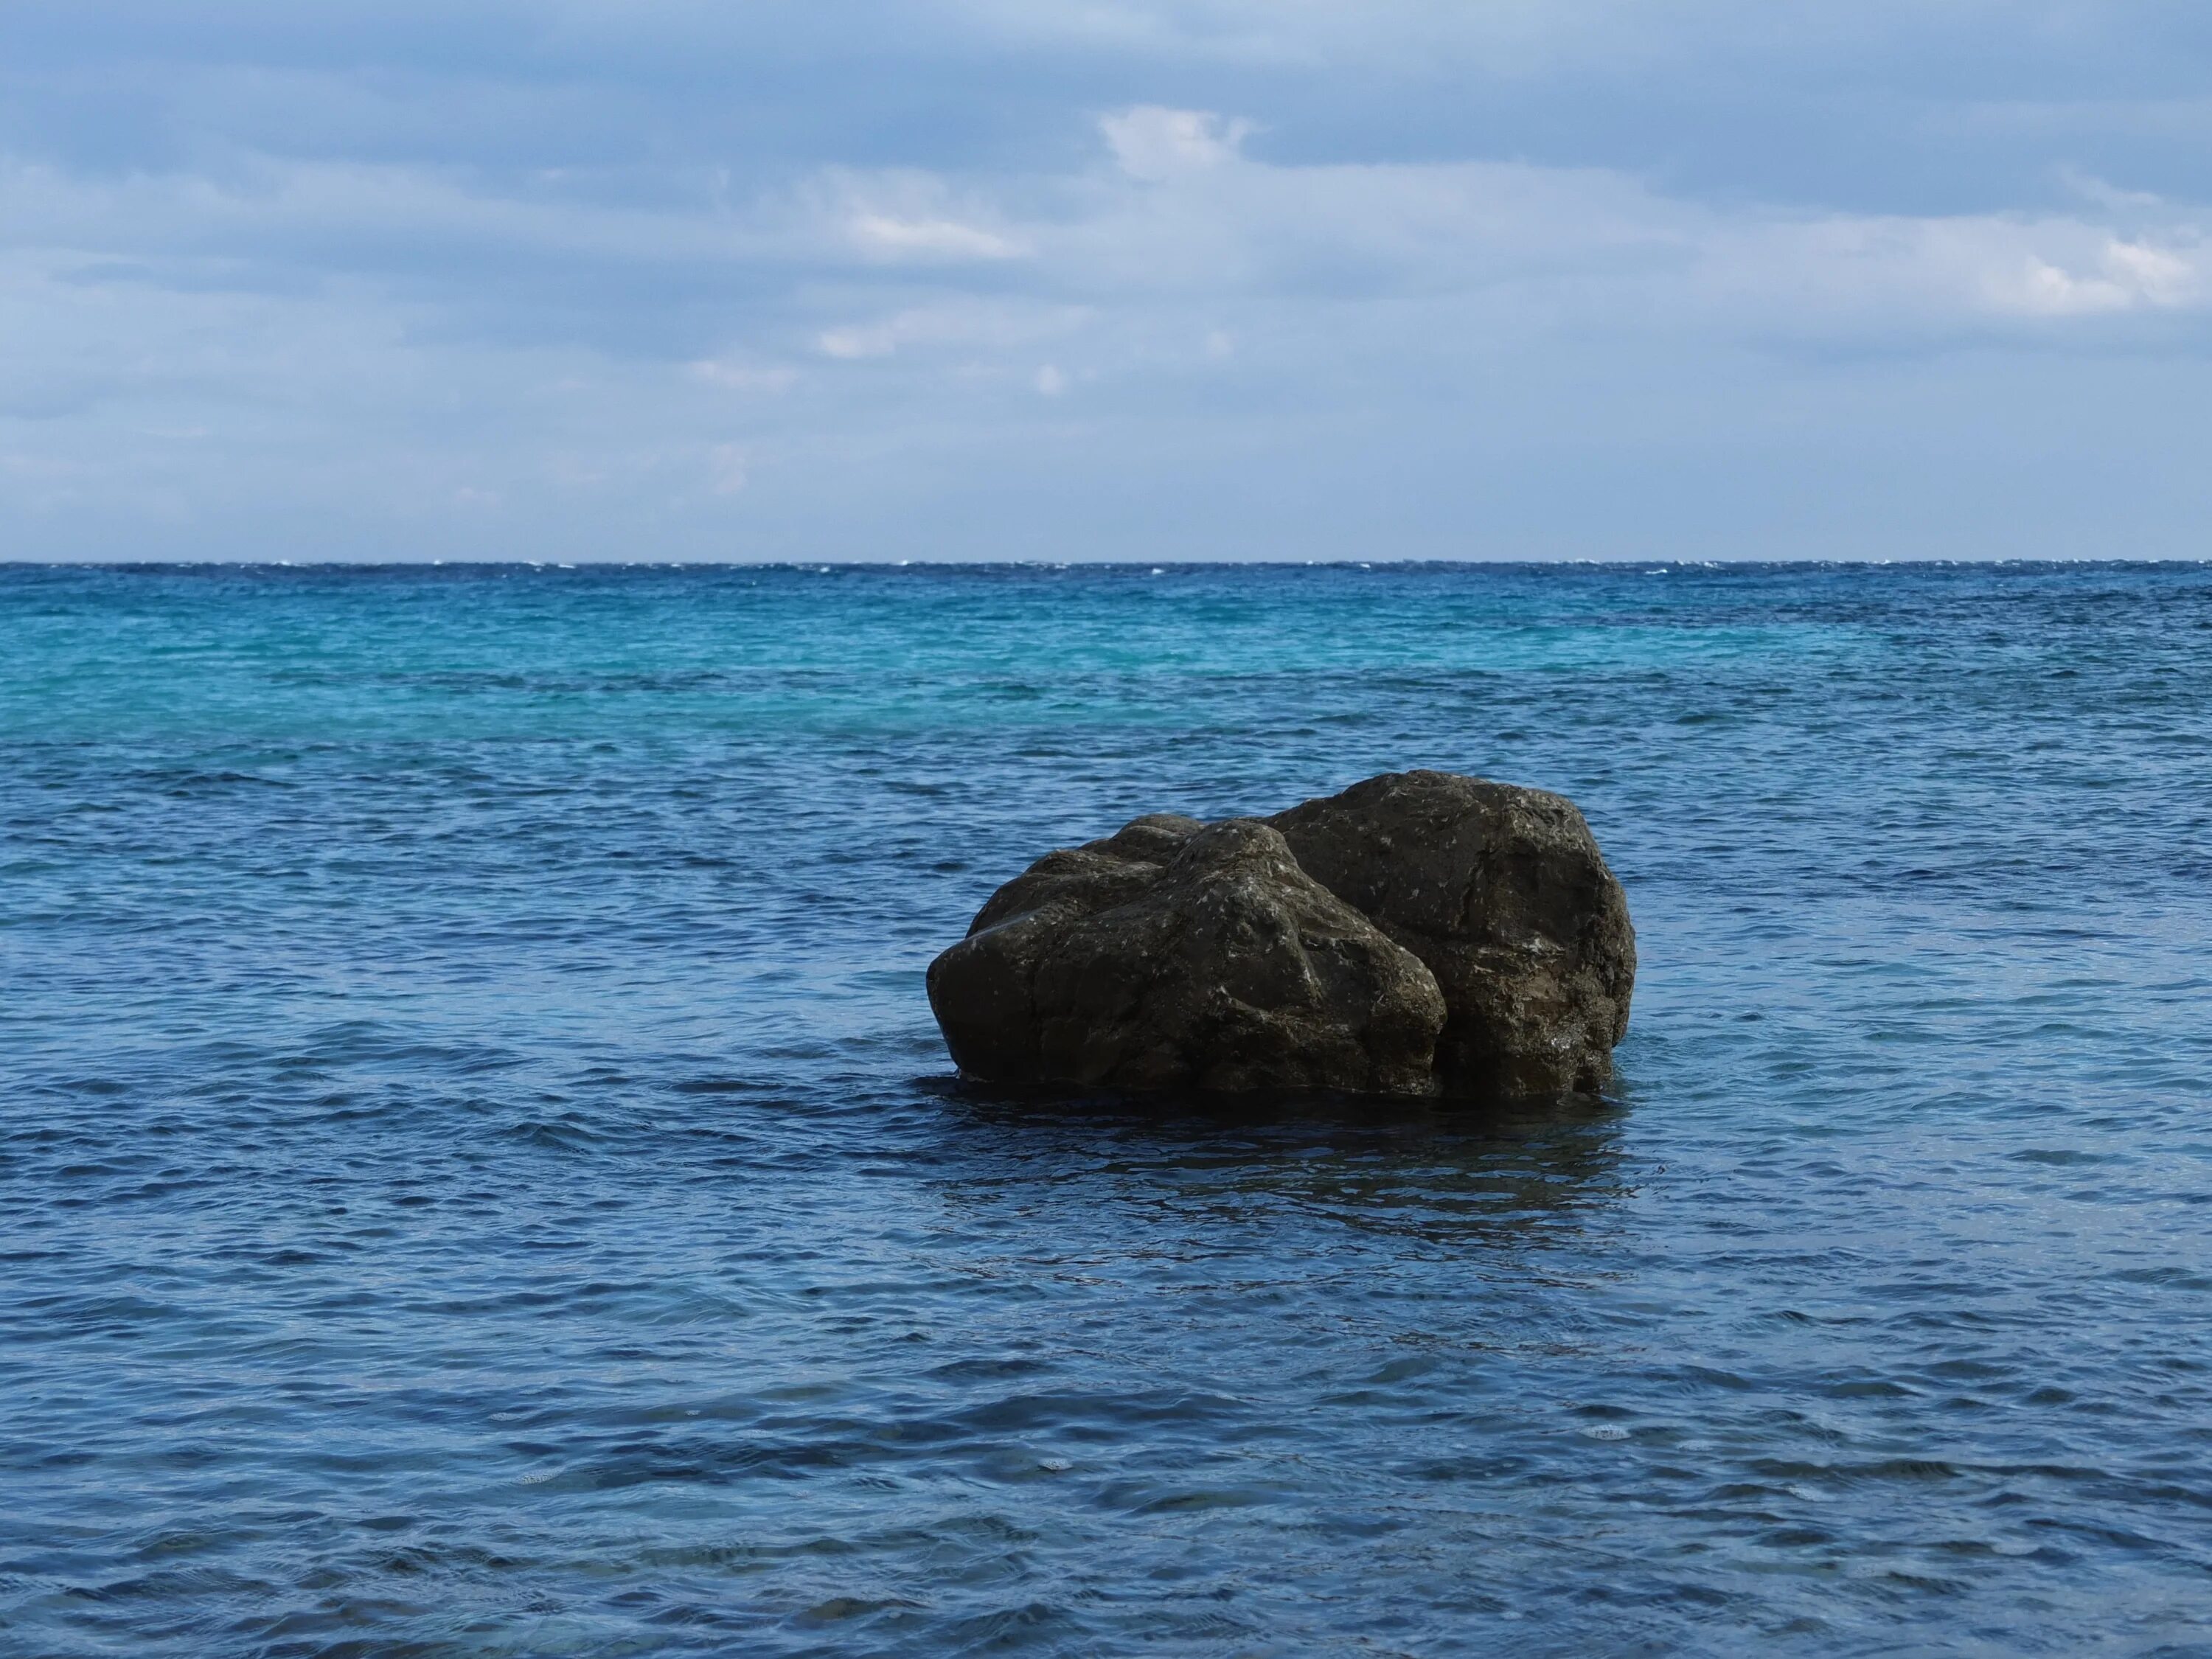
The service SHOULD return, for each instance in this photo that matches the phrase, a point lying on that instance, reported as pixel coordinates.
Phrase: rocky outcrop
(1502, 892)
(1176, 954)
(1419, 931)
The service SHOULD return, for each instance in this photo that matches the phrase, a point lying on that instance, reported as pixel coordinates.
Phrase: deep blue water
(477, 1173)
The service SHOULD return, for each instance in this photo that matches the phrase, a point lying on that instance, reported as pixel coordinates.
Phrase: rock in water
(1418, 931)
(1503, 893)
(1176, 954)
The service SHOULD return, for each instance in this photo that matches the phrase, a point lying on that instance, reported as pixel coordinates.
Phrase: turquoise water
(479, 1175)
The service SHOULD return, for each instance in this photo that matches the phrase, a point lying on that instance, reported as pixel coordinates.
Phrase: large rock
(1503, 893)
(1176, 954)
(1419, 932)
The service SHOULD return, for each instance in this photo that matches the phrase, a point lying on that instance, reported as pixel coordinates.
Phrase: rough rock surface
(1502, 892)
(1176, 954)
(1421, 931)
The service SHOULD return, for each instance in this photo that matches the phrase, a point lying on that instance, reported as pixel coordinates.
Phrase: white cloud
(1854, 273)
(735, 374)
(1154, 143)
(2126, 276)
(856, 341)
(975, 324)
(907, 216)
(1562, 250)
(943, 238)
(1050, 382)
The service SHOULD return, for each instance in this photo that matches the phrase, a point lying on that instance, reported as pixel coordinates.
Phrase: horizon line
(1152, 566)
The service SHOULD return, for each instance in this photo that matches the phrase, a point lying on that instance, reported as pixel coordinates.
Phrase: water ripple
(480, 1178)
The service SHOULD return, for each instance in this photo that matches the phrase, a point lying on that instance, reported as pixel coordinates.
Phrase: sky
(816, 280)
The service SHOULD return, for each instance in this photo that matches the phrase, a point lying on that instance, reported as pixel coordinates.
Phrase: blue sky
(1160, 279)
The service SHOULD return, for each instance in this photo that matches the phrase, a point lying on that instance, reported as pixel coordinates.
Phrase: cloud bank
(1061, 280)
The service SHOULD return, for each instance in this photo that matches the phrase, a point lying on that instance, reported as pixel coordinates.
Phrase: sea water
(478, 1173)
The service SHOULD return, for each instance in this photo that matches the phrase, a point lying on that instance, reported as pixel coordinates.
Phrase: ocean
(478, 1175)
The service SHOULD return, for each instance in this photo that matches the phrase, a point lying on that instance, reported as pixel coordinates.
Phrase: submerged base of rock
(1421, 932)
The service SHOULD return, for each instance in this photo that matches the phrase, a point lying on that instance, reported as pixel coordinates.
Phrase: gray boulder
(1181, 955)
(1419, 931)
(1503, 893)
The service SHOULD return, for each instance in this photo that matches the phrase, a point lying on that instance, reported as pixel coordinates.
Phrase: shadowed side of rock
(1502, 892)
(1176, 955)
